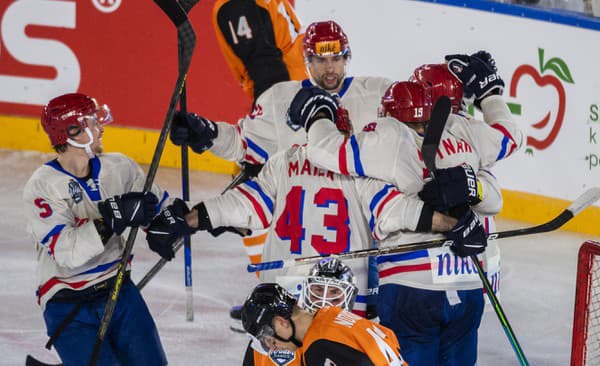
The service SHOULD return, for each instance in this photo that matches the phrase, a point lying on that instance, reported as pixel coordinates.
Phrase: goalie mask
(266, 301)
(407, 102)
(440, 81)
(329, 283)
(68, 115)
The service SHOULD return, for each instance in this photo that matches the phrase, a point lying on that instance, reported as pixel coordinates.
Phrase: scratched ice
(537, 286)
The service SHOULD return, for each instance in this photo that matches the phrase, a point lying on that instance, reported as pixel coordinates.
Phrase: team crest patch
(75, 191)
(282, 357)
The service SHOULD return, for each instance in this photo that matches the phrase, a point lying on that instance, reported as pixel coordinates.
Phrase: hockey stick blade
(186, 34)
(30, 361)
(586, 199)
(435, 128)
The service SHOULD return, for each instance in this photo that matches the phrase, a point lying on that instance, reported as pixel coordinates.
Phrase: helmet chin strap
(292, 338)
(87, 146)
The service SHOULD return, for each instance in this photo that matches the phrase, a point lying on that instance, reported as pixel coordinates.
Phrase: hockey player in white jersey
(264, 131)
(444, 332)
(77, 207)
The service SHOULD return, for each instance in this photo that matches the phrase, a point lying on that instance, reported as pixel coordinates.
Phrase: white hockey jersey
(60, 209)
(390, 151)
(264, 131)
(308, 210)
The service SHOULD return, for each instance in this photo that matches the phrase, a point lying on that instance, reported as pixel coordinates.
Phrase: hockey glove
(468, 235)
(128, 210)
(198, 132)
(309, 105)
(205, 224)
(479, 77)
(451, 188)
(167, 227)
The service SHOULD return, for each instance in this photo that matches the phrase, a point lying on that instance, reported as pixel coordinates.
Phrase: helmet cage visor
(264, 341)
(100, 117)
(319, 292)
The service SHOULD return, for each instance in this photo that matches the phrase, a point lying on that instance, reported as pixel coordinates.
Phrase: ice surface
(538, 276)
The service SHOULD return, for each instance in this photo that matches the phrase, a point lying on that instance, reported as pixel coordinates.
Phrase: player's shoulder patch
(282, 357)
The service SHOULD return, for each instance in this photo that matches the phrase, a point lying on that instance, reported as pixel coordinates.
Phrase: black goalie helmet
(329, 283)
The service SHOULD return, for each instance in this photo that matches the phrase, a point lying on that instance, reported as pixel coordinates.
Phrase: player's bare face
(97, 131)
(328, 72)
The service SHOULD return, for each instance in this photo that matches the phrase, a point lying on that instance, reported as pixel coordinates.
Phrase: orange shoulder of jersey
(340, 326)
(288, 38)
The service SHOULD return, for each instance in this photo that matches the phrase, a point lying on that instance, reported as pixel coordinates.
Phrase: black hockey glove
(198, 132)
(468, 235)
(129, 209)
(167, 227)
(478, 76)
(205, 224)
(451, 188)
(309, 105)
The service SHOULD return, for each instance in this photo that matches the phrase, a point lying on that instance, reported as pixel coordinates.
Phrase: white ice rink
(538, 277)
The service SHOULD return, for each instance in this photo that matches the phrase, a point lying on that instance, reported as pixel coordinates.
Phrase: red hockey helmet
(440, 81)
(406, 101)
(325, 39)
(67, 115)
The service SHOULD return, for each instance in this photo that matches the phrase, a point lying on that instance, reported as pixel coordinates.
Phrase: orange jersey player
(261, 41)
(328, 283)
(331, 336)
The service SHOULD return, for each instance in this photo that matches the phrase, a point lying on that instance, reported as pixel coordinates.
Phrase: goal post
(586, 320)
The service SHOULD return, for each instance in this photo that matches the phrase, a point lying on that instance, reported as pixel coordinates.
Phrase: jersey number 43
(289, 225)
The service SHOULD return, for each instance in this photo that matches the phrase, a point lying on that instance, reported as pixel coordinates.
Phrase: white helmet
(329, 283)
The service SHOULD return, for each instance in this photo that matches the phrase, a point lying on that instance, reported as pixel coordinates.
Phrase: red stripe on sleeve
(257, 207)
(391, 195)
(343, 159)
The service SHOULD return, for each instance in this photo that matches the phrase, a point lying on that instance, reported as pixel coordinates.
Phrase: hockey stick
(431, 142)
(186, 34)
(242, 176)
(30, 361)
(585, 200)
(185, 178)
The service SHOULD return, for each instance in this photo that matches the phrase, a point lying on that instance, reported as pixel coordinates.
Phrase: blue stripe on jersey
(102, 267)
(306, 83)
(356, 153)
(345, 86)
(504, 144)
(403, 256)
(266, 199)
(257, 149)
(162, 200)
(55, 230)
(92, 192)
(361, 298)
(376, 199)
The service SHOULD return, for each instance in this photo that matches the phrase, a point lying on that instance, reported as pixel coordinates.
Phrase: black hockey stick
(30, 361)
(187, 5)
(186, 34)
(242, 176)
(585, 200)
(431, 142)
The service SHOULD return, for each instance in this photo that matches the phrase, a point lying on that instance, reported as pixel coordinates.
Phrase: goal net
(586, 321)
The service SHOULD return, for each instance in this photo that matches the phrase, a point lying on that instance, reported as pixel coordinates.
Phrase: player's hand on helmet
(468, 235)
(309, 105)
(128, 210)
(452, 187)
(167, 228)
(478, 74)
(198, 132)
